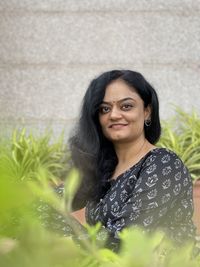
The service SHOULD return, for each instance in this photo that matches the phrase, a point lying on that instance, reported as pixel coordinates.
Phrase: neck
(132, 152)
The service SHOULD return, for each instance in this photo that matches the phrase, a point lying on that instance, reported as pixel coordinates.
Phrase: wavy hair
(91, 152)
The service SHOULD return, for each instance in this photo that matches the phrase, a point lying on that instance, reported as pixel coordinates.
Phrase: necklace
(137, 157)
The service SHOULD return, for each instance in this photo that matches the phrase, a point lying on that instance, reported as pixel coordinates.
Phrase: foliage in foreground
(36, 247)
(28, 165)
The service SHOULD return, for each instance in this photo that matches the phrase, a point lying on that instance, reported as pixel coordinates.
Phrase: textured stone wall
(51, 49)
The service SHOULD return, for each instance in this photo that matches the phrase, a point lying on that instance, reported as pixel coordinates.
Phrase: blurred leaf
(71, 185)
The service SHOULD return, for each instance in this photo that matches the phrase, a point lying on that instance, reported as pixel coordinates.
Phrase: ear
(147, 113)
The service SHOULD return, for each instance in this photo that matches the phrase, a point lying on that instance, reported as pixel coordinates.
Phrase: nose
(115, 114)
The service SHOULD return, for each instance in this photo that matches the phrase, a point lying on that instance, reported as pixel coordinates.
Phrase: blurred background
(51, 49)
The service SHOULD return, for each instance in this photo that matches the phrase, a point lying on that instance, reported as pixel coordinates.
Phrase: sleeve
(54, 221)
(156, 198)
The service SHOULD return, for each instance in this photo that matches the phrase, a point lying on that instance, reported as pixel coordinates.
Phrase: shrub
(25, 173)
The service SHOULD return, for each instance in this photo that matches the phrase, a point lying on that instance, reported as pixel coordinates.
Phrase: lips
(117, 125)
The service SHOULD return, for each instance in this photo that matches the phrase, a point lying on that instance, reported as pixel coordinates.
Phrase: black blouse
(155, 193)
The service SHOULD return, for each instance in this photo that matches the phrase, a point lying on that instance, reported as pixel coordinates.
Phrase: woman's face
(122, 113)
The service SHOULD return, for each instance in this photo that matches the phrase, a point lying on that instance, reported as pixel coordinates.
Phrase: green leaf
(71, 185)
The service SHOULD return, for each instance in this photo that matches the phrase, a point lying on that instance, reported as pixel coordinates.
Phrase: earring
(147, 122)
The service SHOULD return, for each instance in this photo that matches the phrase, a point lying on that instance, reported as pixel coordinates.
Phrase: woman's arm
(162, 198)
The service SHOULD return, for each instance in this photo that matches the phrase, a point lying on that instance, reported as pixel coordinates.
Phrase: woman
(126, 179)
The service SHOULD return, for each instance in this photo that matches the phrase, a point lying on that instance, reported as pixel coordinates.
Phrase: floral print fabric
(154, 193)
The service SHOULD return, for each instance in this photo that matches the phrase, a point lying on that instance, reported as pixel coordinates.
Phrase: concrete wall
(51, 49)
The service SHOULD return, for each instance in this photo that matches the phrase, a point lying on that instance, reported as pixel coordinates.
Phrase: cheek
(133, 118)
(137, 120)
(139, 116)
(103, 124)
(102, 121)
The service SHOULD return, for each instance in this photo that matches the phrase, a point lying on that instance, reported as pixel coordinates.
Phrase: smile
(117, 126)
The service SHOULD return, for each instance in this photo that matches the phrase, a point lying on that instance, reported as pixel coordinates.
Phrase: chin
(118, 138)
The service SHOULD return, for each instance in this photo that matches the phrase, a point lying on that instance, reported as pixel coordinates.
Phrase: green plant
(182, 135)
(26, 243)
(35, 246)
(25, 153)
(23, 157)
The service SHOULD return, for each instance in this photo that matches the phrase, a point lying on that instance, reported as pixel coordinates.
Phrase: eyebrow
(121, 100)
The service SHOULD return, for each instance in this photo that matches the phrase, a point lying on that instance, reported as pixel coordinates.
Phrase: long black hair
(91, 152)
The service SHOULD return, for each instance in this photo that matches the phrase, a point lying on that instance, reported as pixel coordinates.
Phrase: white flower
(166, 170)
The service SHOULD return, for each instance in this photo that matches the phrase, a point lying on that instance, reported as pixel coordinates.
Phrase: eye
(126, 107)
(104, 109)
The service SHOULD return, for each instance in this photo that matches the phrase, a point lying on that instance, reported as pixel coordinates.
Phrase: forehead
(118, 90)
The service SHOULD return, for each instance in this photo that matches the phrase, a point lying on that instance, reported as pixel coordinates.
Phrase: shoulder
(165, 163)
(163, 169)
(163, 156)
